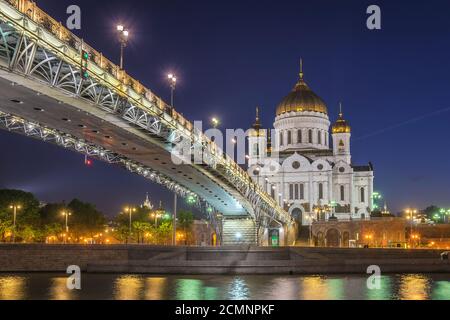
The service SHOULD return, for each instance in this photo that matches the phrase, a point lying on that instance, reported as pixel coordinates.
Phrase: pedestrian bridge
(56, 88)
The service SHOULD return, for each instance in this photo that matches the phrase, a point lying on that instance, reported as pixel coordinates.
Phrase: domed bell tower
(341, 139)
(257, 143)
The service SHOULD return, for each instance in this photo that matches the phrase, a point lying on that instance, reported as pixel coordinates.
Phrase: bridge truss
(36, 47)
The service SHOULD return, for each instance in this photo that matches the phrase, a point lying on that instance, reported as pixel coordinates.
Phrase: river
(43, 286)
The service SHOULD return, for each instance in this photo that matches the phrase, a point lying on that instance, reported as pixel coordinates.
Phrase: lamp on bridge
(123, 34)
(215, 122)
(173, 85)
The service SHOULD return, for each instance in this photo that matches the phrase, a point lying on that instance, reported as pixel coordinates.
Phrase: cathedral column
(370, 195)
(311, 193)
(352, 196)
(330, 190)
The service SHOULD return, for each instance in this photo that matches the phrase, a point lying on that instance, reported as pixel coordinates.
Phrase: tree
(140, 229)
(185, 220)
(431, 211)
(27, 220)
(51, 213)
(85, 218)
(164, 232)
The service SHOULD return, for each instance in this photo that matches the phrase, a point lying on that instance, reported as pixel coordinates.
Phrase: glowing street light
(123, 36)
(215, 122)
(129, 210)
(66, 215)
(14, 207)
(411, 215)
(173, 85)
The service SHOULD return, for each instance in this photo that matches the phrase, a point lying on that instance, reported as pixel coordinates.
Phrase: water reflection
(154, 288)
(441, 291)
(137, 287)
(59, 291)
(385, 291)
(12, 288)
(314, 288)
(128, 287)
(238, 290)
(189, 289)
(414, 287)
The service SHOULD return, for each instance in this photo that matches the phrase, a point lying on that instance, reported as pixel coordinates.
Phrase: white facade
(308, 172)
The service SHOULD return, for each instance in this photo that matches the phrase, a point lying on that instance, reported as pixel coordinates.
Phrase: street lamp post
(173, 85)
(410, 214)
(129, 210)
(123, 35)
(156, 216)
(14, 207)
(66, 215)
(174, 235)
(311, 221)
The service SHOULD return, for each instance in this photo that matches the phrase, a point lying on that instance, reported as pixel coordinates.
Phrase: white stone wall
(317, 123)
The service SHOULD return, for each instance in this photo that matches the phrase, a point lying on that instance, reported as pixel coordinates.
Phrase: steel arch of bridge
(34, 51)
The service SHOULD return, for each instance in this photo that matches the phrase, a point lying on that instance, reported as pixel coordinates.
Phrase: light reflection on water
(12, 288)
(143, 287)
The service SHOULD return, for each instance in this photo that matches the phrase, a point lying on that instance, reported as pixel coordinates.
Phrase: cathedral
(309, 174)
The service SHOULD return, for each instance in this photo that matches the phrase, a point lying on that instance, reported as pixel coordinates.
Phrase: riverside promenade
(223, 260)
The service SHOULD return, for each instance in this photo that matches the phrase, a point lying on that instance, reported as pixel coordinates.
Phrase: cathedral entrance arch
(333, 238)
(297, 214)
(346, 239)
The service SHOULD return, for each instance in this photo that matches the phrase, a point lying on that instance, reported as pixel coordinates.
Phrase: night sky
(231, 56)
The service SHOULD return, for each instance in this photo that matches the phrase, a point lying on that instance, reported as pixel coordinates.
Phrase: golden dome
(341, 125)
(302, 99)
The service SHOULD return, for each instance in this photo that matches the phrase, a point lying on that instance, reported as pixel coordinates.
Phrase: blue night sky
(231, 56)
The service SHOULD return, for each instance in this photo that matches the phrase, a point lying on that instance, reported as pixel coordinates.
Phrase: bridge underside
(102, 129)
(44, 96)
(105, 130)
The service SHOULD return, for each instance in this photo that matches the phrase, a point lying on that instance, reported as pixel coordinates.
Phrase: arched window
(341, 143)
(363, 195)
(320, 191)
(319, 137)
(310, 136)
(289, 142)
(281, 138)
(302, 192)
(299, 136)
(326, 139)
(342, 193)
(296, 192)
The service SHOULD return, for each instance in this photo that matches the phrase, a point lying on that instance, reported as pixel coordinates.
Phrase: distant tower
(257, 142)
(147, 203)
(386, 212)
(341, 138)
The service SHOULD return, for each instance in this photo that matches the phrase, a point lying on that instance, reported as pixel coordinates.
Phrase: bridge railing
(40, 17)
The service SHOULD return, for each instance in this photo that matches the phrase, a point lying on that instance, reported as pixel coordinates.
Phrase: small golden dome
(302, 99)
(341, 125)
